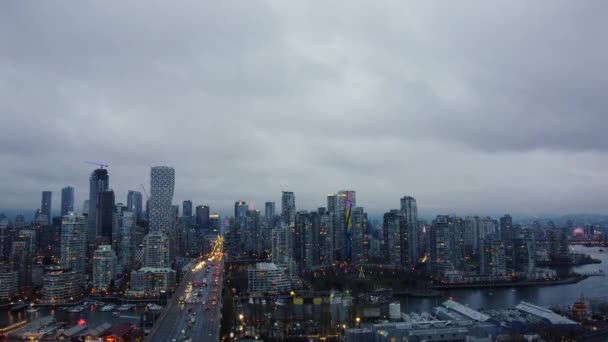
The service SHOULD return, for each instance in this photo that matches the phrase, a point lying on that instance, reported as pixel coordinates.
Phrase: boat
(108, 307)
(250, 300)
(600, 250)
(77, 308)
(18, 307)
(154, 307)
(125, 307)
(263, 301)
(32, 309)
(280, 302)
(116, 314)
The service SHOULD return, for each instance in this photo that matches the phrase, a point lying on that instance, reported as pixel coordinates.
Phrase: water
(548, 296)
(91, 315)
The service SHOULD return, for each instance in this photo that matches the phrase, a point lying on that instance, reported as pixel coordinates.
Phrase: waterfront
(549, 296)
(93, 316)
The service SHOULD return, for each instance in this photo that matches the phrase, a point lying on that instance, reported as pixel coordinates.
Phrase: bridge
(193, 313)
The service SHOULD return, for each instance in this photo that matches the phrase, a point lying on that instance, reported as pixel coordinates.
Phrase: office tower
(524, 255)
(105, 215)
(85, 207)
(332, 203)
(288, 208)
(306, 240)
(45, 206)
(98, 182)
(492, 261)
(73, 242)
(162, 183)
(269, 212)
(506, 228)
(471, 235)
(127, 241)
(156, 250)
(104, 267)
(326, 237)
(347, 201)
(67, 200)
(409, 210)
(393, 238)
(487, 226)
(240, 210)
(134, 205)
(253, 232)
(359, 237)
(202, 216)
(214, 223)
(187, 209)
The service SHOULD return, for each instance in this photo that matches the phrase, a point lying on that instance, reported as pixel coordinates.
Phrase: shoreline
(563, 281)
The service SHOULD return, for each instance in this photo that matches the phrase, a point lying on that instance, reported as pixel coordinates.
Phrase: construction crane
(100, 164)
(145, 192)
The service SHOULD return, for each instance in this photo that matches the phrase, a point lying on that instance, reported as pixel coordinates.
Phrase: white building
(73, 242)
(150, 281)
(267, 277)
(104, 266)
(60, 286)
(9, 284)
(156, 250)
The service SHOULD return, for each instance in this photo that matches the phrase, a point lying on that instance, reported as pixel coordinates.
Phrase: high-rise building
(347, 201)
(240, 209)
(45, 206)
(104, 267)
(471, 234)
(85, 207)
(73, 242)
(359, 237)
(187, 209)
(156, 250)
(67, 200)
(215, 221)
(326, 237)
(134, 204)
(393, 238)
(445, 245)
(409, 210)
(288, 208)
(492, 260)
(162, 183)
(105, 215)
(506, 228)
(202, 216)
(98, 183)
(127, 241)
(269, 212)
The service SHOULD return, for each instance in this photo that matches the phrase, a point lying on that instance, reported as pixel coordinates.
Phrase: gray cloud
(470, 107)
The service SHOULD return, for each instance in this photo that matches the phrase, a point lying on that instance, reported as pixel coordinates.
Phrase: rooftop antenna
(100, 164)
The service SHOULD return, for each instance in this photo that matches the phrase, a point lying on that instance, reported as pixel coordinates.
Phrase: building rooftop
(466, 311)
(265, 266)
(544, 313)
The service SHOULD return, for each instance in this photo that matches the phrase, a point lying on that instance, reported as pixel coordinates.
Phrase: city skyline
(378, 99)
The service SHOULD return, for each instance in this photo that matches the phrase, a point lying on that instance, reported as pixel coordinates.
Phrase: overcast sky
(470, 107)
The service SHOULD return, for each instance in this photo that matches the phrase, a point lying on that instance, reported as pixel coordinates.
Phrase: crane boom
(100, 164)
(144, 189)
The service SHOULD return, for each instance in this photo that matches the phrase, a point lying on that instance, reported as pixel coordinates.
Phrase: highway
(191, 314)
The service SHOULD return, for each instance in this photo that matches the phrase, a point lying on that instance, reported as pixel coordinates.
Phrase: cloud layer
(470, 107)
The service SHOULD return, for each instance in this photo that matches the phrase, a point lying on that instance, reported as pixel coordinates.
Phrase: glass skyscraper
(67, 200)
(98, 183)
(45, 205)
